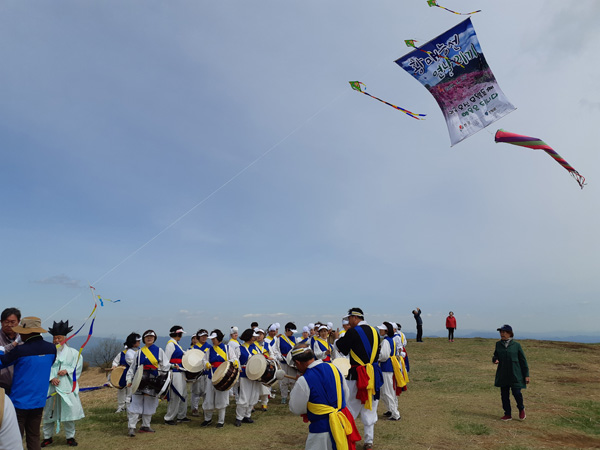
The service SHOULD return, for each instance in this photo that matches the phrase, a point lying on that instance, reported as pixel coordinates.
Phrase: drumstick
(290, 377)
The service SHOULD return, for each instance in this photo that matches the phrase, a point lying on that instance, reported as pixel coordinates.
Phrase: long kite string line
(208, 197)
(538, 144)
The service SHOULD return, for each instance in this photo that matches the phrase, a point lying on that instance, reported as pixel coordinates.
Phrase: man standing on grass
(33, 361)
(361, 343)
(417, 314)
(63, 406)
(320, 395)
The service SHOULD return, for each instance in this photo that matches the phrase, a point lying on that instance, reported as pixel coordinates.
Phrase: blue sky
(119, 117)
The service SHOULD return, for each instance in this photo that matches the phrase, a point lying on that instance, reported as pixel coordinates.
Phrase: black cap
(505, 328)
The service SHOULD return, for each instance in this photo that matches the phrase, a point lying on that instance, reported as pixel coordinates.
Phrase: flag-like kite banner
(538, 144)
(356, 85)
(466, 91)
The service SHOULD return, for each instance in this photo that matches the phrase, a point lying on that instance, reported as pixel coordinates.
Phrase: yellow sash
(370, 370)
(262, 350)
(220, 352)
(287, 339)
(322, 341)
(338, 422)
(254, 351)
(148, 354)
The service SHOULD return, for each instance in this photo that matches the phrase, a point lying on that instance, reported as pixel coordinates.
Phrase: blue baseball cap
(505, 328)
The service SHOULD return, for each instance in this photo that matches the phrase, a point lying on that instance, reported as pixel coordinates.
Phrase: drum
(154, 385)
(193, 363)
(114, 377)
(262, 369)
(137, 379)
(192, 376)
(343, 364)
(225, 376)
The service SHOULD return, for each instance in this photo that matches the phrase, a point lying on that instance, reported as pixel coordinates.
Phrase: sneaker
(238, 423)
(220, 425)
(264, 408)
(184, 420)
(195, 413)
(131, 432)
(247, 420)
(392, 418)
(71, 442)
(169, 422)
(367, 446)
(206, 423)
(46, 442)
(387, 414)
(506, 418)
(283, 401)
(146, 430)
(522, 414)
(119, 410)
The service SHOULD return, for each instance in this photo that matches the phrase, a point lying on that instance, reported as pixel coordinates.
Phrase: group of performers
(373, 365)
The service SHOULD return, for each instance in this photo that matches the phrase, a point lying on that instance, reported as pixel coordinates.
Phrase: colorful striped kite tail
(460, 14)
(538, 144)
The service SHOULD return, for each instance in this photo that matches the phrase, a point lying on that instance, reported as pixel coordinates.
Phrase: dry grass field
(451, 403)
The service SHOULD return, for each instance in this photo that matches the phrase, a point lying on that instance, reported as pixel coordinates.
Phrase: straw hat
(29, 325)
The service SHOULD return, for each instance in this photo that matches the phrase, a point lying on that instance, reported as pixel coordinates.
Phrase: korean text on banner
(453, 69)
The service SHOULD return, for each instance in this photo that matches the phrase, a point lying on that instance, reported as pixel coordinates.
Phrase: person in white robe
(63, 407)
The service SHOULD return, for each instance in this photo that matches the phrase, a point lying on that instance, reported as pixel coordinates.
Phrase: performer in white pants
(283, 345)
(125, 358)
(386, 363)
(249, 390)
(150, 358)
(361, 342)
(219, 400)
(199, 385)
(177, 408)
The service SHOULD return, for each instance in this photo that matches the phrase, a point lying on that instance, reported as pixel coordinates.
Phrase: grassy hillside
(451, 403)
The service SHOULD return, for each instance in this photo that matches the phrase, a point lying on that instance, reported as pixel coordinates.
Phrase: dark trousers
(29, 425)
(505, 394)
(419, 333)
(450, 333)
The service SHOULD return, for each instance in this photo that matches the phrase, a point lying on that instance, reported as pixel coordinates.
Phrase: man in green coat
(512, 373)
(63, 405)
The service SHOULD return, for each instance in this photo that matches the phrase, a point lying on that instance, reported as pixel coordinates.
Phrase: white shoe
(119, 410)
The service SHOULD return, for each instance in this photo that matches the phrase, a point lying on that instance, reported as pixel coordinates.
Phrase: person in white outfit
(218, 354)
(177, 408)
(125, 359)
(152, 361)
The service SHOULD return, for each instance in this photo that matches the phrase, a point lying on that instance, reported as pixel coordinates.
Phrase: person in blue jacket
(32, 361)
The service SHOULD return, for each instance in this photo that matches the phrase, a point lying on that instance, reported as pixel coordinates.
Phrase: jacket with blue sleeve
(32, 360)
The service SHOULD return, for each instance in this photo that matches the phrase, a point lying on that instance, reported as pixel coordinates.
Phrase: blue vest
(123, 362)
(245, 354)
(323, 391)
(176, 356)
(146, 362)
(386, 366)
(213, 357)
(284, 347)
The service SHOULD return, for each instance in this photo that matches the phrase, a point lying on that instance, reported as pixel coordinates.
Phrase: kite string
(209, 196)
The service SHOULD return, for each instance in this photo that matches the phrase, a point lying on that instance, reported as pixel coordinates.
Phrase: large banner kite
(453, 69)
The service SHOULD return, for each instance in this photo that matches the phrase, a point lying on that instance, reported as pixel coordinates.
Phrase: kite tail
(559, 159)
(460, 14)
(405, 111)
(538, 144)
